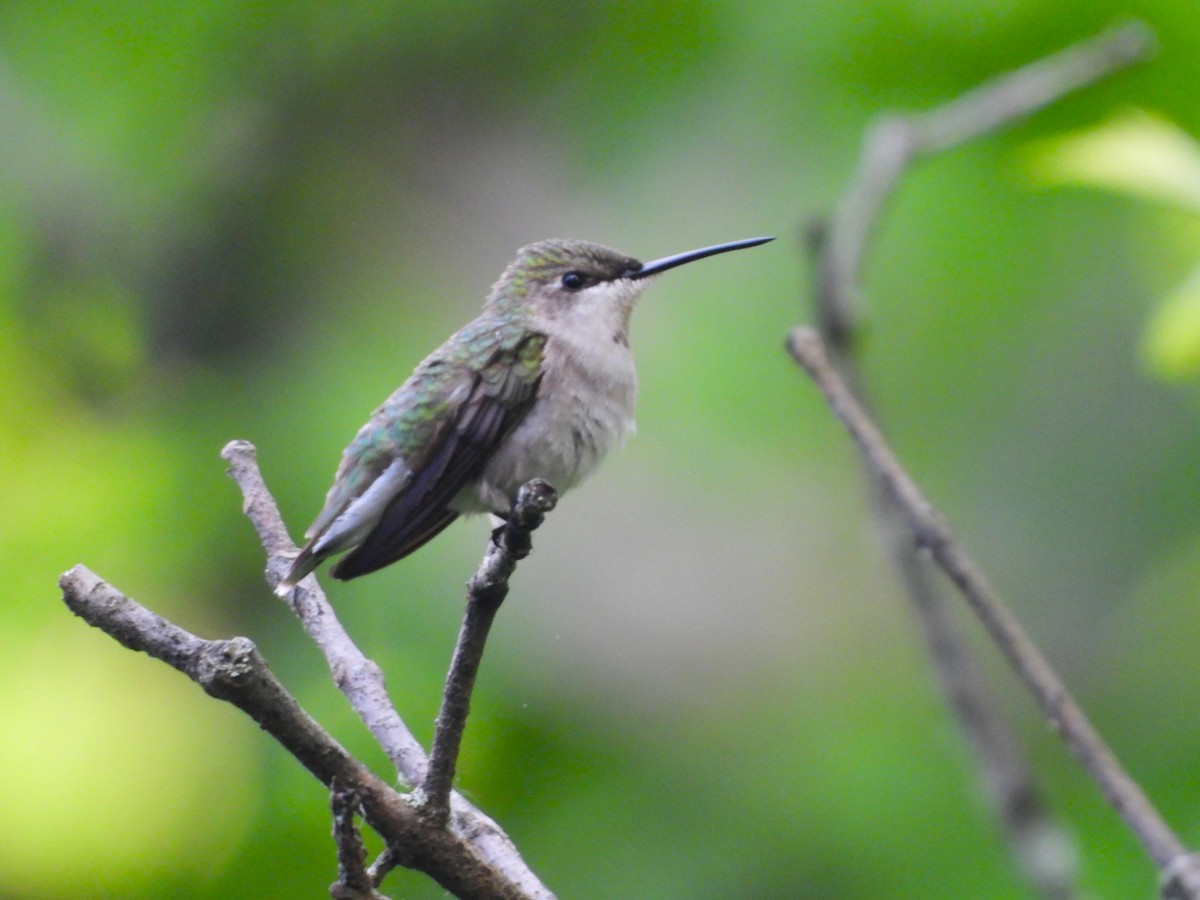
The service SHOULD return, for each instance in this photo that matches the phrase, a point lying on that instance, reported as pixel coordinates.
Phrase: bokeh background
(231, 220)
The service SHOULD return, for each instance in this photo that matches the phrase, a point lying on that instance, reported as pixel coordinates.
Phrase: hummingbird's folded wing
(498, 396)
(428, 441)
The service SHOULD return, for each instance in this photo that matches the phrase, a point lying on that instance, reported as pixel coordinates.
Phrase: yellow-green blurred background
(231, 220)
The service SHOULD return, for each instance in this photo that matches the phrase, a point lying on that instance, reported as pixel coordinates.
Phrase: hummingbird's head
(567, 283)
(577, 284)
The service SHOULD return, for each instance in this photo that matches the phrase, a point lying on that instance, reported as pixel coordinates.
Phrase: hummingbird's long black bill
(670, 262)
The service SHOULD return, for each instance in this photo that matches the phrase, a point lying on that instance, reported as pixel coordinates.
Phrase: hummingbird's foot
(534, 500)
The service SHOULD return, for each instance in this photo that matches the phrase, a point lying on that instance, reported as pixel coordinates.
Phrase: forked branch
(462, 849)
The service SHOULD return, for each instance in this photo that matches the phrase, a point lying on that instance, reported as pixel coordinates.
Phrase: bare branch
(354, 881)
(362, 682)
(1181, 879)
(1040, 845)
(485, 592)
(232, 670)
(359, 678)
(930, 533)
(379, 869)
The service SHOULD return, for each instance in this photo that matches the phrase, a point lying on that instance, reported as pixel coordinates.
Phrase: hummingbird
(541, 385)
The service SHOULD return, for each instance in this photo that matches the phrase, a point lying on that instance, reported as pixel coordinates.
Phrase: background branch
(1178, 869)
(1039, 844)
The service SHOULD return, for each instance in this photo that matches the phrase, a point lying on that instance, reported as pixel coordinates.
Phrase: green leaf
(1171, 341)
(1137, 153)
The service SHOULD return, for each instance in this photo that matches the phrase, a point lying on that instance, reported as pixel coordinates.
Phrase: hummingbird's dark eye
(574, 281)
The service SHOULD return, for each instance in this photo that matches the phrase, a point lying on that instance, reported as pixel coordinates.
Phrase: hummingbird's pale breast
(584, 407)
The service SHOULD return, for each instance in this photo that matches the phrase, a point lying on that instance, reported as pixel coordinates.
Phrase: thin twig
(354, 882)
(930, 532)
(358, 677)
(384, 863)
(485, 592)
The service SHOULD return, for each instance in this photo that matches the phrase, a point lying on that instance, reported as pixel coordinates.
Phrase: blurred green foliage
(224, 219)
(1145, 156)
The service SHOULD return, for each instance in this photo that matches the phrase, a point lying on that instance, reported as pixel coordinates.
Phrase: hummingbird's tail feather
(304, 563)
(381, 549)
